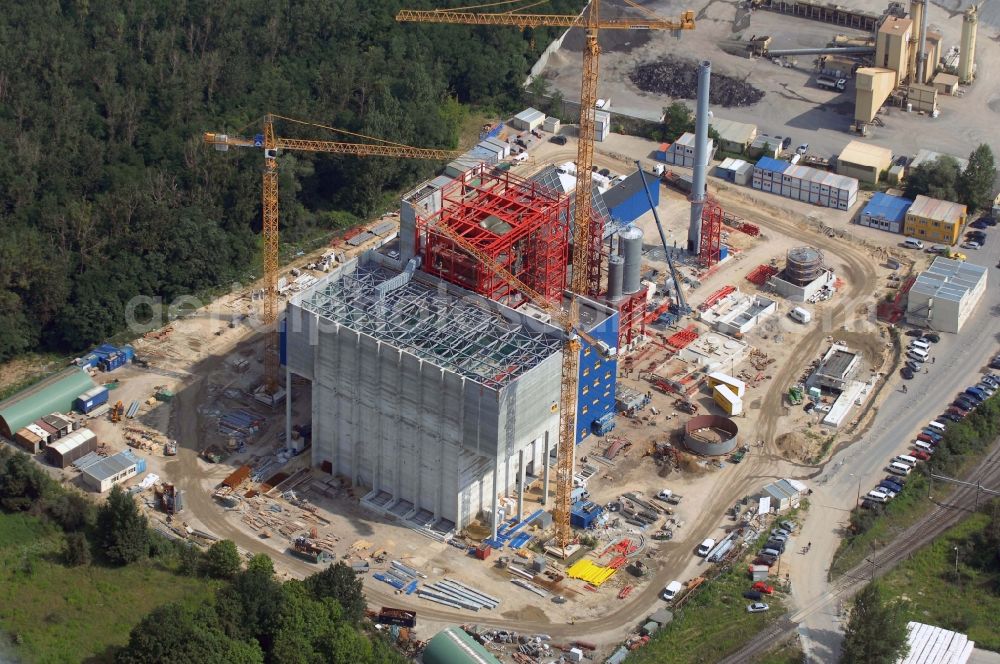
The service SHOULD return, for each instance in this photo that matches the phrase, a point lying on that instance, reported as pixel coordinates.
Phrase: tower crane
(569, 323)
(586, 247)
(269, 143)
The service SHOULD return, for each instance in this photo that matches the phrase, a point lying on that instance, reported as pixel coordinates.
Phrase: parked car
(558, 140)
(895, 483)
(989, 389)
(914, 333)
(753, 595)
(932, 337)
(951, 417)
(786, 143)
(971, 244)
(705, 547)
(802, 149)
(979, 223)
(913, 365)
(605, 172)
(758, 607)
(923, 437)
(788, 525)
(995, 362)
(920, 454)
(765, 560)
(762, 587)
(907, 373)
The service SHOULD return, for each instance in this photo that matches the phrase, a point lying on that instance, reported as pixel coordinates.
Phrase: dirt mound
(794, 445)
(679, 79)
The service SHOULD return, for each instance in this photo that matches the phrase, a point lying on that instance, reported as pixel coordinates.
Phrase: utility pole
(958, 579)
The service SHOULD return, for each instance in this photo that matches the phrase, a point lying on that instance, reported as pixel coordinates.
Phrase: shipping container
(28, 440)
(91, 399)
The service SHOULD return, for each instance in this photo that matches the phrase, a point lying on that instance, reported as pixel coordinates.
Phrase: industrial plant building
(54, 394)
(734, 136)
(885, 212)
(435, 384)
(105, 473)
(935, 220)
(627, 201)
(804, 276)
(945, 295)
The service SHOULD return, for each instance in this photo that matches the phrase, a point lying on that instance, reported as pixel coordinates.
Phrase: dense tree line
(106, 190)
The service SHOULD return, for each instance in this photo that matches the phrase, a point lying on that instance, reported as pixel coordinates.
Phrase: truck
(669, 497)
(831, 83)
(305, 549)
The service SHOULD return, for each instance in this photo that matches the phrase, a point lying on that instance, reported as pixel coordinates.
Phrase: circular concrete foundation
(711, 435)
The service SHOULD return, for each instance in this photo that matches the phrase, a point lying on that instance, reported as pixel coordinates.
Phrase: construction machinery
(587, 237)
(568, 386)
(682, 306)
(270, 143)
(117, 411)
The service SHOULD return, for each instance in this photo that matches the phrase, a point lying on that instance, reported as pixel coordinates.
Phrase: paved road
(959, 361)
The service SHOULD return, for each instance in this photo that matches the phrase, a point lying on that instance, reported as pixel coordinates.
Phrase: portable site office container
(91, 399)
(28, 440)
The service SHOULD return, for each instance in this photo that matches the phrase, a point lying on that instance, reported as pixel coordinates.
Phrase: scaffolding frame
(712, 217)
(463, 335)
(513, 220)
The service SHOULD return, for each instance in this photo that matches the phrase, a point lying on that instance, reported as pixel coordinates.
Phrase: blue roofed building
(885, 212)
(627, 201)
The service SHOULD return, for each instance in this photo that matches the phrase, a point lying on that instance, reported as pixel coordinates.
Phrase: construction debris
(679, 79)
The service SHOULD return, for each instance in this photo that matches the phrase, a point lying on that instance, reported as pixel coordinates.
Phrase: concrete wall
(390, 421)
(794, 293)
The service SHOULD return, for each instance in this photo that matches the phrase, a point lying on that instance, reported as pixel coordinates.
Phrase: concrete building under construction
(434, 400)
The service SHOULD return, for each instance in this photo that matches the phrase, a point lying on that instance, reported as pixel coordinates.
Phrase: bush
(222, 560)
(77, 551)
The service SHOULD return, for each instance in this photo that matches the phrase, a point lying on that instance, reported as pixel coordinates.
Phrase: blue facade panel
(595, 397)
(91, 399)
(282, 341)
(584, 513)
(635, 205)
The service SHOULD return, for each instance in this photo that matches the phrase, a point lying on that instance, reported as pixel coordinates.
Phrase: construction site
(492, 399)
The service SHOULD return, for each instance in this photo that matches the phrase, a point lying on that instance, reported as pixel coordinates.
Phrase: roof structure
(935, 645)
(771, 164)
(55, 393)
(890, 208)
(944, 78)
(732, 131)
(865, 154)
(72, 441)
(687, 139)
(625, 190)
(453, 646)
(837, 362)
(895, 25)
(736, 165)
(948, 279)
(530, 115)
(565, 182)
(110, 466)
(924, 155)
(440, 323)
(935, 209)
(825, 178)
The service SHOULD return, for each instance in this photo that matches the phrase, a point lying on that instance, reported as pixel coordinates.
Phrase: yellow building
(935, 220)
(873, 86)
(892, 47)
(864, 161)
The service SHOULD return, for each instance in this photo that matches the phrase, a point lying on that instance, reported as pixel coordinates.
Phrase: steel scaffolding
(515, 221)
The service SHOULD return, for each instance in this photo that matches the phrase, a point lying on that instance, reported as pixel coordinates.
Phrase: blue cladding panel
(635, 205)
(597, 379)
(282, 341)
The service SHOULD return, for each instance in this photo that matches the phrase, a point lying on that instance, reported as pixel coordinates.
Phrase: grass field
(969, 604)
(60, 614)
(713, 623)
(787, 653)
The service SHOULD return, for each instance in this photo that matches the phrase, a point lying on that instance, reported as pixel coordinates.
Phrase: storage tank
(616, 273)
(803, 265)
(631, 250)
(967, 51)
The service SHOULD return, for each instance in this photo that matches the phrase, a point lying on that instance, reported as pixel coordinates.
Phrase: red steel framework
(594, 252)
(711, 234)
(517, 222)
(631, 319)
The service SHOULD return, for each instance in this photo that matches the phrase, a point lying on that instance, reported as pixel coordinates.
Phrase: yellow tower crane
(591, 21)
(581, 233)
(270, 144)
(569, 322)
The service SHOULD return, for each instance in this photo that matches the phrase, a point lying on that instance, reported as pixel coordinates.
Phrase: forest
(107, 190)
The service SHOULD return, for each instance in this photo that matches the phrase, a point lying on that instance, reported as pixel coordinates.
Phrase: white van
(877, 496)
(801, 315)
(913, 243)
(705, 547)
(937, 426)
(670, 592)
(897, 468)
(906, 459)
(917, 354)
(922, 345)
(922, 446)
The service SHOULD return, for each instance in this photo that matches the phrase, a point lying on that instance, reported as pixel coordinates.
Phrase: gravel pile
(679, 79)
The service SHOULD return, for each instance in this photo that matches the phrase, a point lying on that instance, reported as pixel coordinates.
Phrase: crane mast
(586, 243)
(270, 143)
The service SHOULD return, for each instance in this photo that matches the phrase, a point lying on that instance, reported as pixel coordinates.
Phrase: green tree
(937, 179)
(77, 550)
(122, 534)
(222, 560)
(248, 607)
(174, 633)
(261, 562)
(22, 483)
(876, 630)
(340, 583)
(975, 185)
(677, 119)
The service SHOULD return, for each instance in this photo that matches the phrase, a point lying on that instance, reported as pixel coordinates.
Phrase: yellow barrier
(589, 572)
